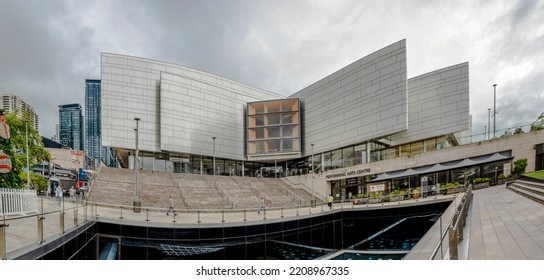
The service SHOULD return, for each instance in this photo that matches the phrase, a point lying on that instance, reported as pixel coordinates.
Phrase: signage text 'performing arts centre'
(346, 173)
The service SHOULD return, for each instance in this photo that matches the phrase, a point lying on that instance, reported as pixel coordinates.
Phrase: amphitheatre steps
(195, 191)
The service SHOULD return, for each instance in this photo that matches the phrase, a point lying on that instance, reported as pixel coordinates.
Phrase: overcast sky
(49, 48)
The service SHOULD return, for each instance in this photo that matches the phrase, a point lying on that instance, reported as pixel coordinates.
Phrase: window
(273, 132)
(287, 131)
(259, 133)
(273, 119)
(259, 121)
(287, 145)
(287, 118)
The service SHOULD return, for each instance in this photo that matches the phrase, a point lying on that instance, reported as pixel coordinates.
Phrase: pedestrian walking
(171, 207)
(72, 194)
(58, 194)
(262, 206)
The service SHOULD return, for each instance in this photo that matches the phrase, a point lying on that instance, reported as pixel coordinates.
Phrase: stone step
(536, 196)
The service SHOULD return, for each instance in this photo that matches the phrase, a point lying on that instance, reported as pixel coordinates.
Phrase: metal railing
(455, 227)
(55, 218)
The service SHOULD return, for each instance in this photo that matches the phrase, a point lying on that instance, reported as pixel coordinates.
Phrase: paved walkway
(501, 225)
(505, 226)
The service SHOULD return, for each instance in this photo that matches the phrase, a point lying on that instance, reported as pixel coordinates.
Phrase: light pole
(488, 124)
(313, 176)
(137, 203)
(27, 161)
(213, 138)
(275, 164)
(494, 109)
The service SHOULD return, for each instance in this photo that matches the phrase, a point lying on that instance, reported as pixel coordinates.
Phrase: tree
(38, 182)
(15, 148)
(519, 166)
(538, 124)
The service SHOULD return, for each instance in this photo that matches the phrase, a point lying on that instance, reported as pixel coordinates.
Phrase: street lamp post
(137, 203)
(313, 176)
(494, 110)
(275, 163)
(488, 124)
(27, 160)
(213, 138)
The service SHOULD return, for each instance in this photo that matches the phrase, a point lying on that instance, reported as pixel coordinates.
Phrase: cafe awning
(445, 166)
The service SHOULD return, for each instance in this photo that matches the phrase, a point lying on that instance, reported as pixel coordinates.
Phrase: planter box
(375, 200)
(481, 185)
(396, 198)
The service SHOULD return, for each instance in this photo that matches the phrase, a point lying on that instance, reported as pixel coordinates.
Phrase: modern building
(348, 127)
(71, 126)
(93, 124)
(12, 103)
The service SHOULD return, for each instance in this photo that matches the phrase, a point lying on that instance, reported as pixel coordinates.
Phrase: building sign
(377, 188)
(342, 174)
(351, 181)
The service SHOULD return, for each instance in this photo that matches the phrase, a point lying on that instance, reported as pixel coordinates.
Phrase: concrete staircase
(194, 191)
(529, 189)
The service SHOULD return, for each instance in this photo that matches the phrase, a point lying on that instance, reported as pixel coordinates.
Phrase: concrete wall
(362, 101)
(131, 87)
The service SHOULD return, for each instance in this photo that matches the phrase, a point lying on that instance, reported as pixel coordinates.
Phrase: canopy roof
(444, 166)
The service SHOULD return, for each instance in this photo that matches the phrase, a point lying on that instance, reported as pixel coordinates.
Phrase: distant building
(93, 125)
(12, 103)
(71, 126)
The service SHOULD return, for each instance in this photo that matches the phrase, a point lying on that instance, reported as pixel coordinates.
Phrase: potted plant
(480, 183)
(416, 193)
(396, 195)
(375, 197)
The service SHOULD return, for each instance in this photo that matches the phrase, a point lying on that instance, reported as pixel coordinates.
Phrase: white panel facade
(365, 100)
(193, 111)
(438, 104)
(193, 107)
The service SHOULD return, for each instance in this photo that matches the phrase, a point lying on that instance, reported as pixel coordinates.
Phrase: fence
(17, 202)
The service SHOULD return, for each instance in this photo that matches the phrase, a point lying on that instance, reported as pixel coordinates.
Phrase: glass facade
(93, 125)
(273, 127)
(71, 126)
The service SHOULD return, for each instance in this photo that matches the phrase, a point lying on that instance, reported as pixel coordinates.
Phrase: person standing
(171, 207)
(330, 199)
(262, 206)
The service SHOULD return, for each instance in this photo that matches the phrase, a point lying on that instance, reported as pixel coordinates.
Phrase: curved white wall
(180, 108)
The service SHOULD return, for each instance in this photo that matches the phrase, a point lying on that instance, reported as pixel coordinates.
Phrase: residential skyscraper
(71, 126)
(93, 127)
(12, 103)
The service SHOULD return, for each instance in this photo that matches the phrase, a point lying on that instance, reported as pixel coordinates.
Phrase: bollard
(3, 254)
(40, 229)
(452, 236)
(75, 217)
(61, 222)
